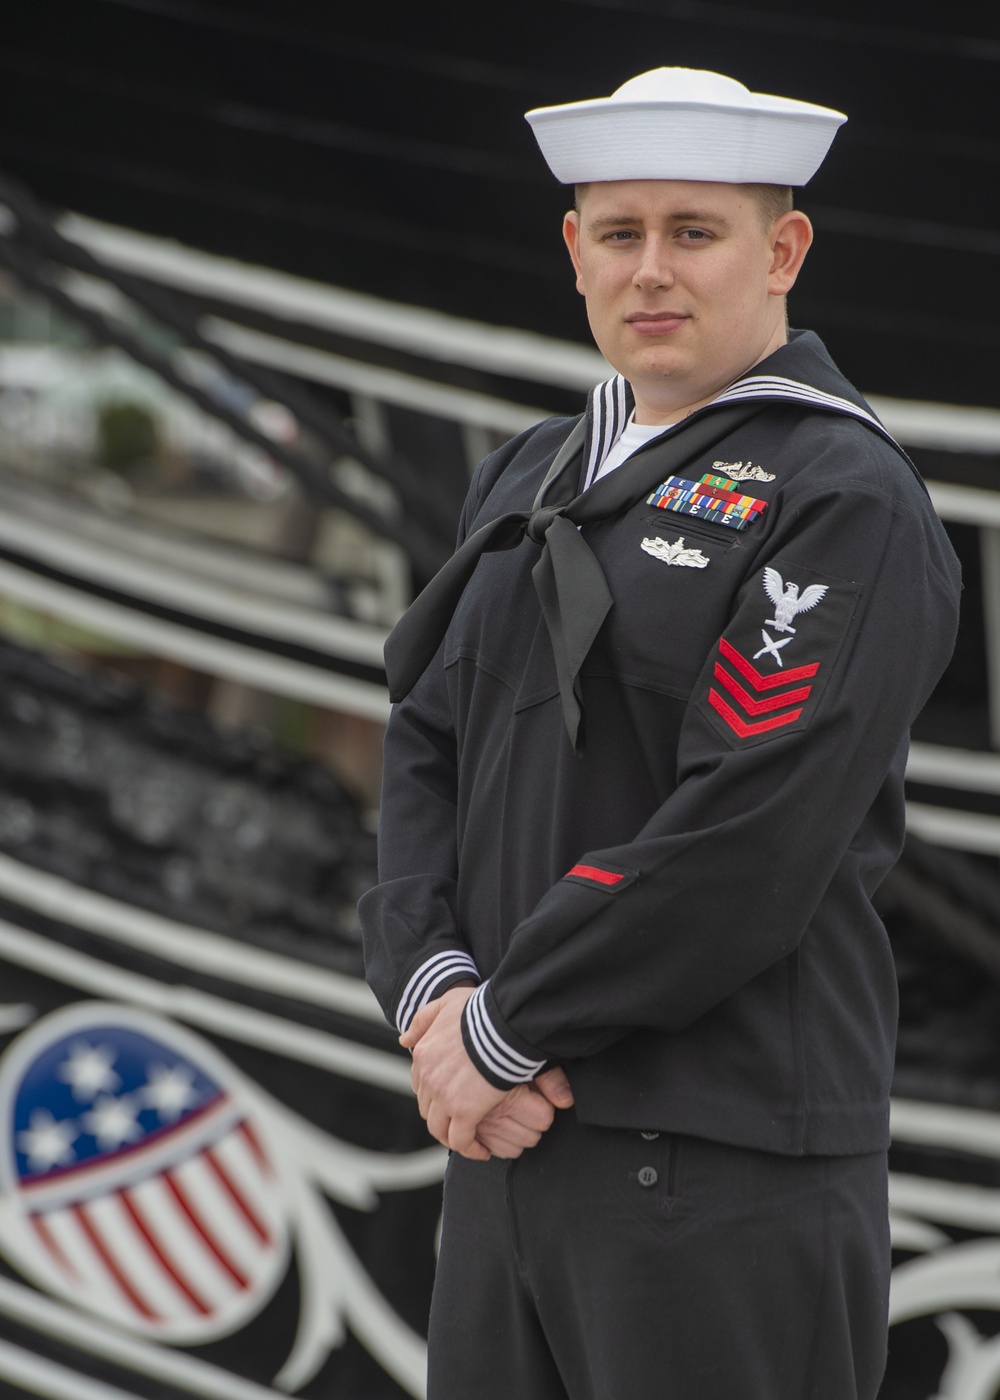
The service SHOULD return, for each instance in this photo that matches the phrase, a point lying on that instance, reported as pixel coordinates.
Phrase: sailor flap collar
(799, 372)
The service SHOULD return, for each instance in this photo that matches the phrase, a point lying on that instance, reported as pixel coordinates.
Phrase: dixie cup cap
(685, 124)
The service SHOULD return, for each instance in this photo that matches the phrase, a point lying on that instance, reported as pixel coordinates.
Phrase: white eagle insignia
(787, 601)
(743, 471)
(675, 553)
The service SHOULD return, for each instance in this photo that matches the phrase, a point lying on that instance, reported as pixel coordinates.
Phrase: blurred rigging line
(705, 12)
(805, 309)
(180, 1370)
(892, 228)
(425, 499)
(964, 147)
(389, 386)
(457, 66)
(945, 893)
(41, 1376)
(199, 646)
(792, 22)
(290, 126)
(425, 553)
(484, 252)
(900, 229)
(194, 949)
(266, 1030)
(462, 159)
(136, 581)
(287, 298)
(489, 164)
(444, 243)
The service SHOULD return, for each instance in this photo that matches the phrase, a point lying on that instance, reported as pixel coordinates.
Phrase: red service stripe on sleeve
(760, 707)
(592, 872)
(759, 682)
(738, 726)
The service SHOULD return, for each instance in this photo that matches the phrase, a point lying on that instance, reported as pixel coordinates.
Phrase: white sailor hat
(685, 124)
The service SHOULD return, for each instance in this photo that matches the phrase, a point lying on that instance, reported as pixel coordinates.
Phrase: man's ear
(790, 238)
(571, 237)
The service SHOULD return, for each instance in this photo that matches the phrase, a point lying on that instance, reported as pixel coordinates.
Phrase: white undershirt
(634, 435)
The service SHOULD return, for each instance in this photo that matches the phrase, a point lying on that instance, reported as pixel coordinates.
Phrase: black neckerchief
(570, 583)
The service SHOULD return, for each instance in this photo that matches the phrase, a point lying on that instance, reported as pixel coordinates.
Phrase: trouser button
(647, 1176)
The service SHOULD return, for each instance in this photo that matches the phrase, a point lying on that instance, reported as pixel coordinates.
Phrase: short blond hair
(773, 200)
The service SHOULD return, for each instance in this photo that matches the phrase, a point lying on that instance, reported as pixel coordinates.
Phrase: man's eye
(621, 235)
(694, 235)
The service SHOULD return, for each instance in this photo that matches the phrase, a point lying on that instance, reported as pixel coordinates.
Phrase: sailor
(643, 776)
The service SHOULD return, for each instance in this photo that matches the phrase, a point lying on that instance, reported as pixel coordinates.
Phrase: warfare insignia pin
(743, 471)
(787, 601)
(675, 553)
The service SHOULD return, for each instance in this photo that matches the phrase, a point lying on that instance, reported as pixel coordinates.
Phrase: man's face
(684, 284)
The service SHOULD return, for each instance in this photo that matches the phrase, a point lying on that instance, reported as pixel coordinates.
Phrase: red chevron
(759, 682)
(760, 707)
(739, 726)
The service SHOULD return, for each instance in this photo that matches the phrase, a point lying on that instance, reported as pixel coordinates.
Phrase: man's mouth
(656, 322)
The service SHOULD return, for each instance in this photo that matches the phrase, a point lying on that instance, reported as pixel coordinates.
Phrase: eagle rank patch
(774, 660)
(676, 553)
(788, 601)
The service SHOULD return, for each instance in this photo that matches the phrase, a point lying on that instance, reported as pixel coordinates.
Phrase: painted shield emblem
(136, 1181)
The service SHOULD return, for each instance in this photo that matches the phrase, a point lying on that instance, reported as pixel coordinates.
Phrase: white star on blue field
(91, 1095)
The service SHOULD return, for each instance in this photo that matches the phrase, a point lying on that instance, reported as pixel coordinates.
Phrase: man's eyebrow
(682, 216)
(612, 220)
(699, 216)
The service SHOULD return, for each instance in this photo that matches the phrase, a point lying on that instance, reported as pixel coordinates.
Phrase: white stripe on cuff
(428, 977)
(499, 1057)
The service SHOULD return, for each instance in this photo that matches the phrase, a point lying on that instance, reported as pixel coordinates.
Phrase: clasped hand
(461, 1108)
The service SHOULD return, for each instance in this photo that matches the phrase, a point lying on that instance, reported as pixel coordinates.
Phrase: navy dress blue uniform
(679, 909)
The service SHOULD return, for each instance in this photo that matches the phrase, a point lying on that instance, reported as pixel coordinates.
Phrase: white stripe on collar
(610, 411)
(609, 404)
(771, 386)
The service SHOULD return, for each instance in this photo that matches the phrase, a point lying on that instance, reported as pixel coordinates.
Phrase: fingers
(527, 1108)
(420, 1024)
(497, 1144)
(462, 1139)
(554, 1086)
(456, 1133)
(520, 1125)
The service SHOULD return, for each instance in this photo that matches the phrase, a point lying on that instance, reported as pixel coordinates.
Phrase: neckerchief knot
(540, 521)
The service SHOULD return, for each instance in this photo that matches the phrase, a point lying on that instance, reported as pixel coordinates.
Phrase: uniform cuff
(431, 979)
(497, 1054)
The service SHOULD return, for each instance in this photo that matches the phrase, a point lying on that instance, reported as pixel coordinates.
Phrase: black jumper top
(680, 913)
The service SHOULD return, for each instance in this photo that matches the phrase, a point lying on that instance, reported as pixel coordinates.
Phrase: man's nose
(655, 267)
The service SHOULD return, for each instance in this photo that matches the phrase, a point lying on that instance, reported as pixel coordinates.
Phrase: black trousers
(612, 1265)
